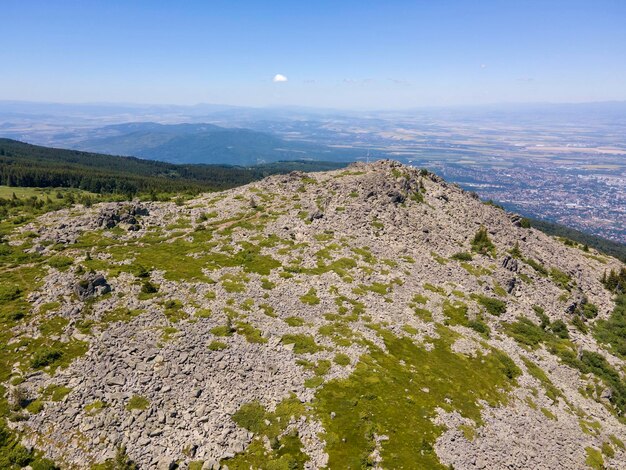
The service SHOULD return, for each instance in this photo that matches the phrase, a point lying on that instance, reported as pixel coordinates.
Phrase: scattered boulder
(510, 263)
(92, 285)
(315, 215)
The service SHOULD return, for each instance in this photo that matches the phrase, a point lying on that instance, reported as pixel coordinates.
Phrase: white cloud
(279, 78)
(483, 66)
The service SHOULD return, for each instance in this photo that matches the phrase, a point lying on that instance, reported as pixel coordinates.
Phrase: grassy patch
(462, 256)
(594, 458)
(612, 332)
(537, 372)
(285, 448)
(342, 359)
(294, 321)
(137, 402)
(310, 298)
(302, 343)
(386, 388)
(217, 345)
(252, 334)
(481, 243)
(55, 392)
(491, 305)
(95, 406)
(122, 314)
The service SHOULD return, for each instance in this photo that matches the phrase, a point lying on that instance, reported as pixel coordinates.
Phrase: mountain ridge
(293, 321)
(204, 143)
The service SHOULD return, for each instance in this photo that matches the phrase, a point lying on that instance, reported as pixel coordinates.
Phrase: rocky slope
(375, 316)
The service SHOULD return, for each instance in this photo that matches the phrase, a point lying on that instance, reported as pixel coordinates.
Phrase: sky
(352, 54)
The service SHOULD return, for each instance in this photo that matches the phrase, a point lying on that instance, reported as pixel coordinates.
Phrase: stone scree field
(369, 317)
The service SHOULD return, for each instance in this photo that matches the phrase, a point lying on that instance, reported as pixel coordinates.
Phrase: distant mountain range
(204, 143)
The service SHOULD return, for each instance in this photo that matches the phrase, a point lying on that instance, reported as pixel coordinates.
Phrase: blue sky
(344, 54)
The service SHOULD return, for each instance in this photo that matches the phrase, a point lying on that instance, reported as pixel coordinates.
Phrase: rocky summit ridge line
(370, 317)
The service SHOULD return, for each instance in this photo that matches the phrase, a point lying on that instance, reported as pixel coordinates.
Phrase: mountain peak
(297, 320)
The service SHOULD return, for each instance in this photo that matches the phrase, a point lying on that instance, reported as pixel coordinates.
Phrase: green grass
(55, 392)
(121, 314)
(137, 402)
(339, 332)
(475, 270)
(481, 243)
(217, 345)
(285, 448)
(95, 406)
(462, 256)
(53, 325)
(491, 305)
(594, 458)
(60, 262)
(586, 362)
(294, 321)
(252, 334)
(386, 389)
(612, 332)
(302, 343)
(537, 372)
(342, 359)
(435, 289)
(310, 298)
(560, 278)
(167, 333)
(456, 314)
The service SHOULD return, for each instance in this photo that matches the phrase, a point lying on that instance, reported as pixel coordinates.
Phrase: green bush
(302, 343)
(526, 332)
(590, 310)
(492, 305)
(9, 293)
(137, 402)
(462, 256)
(559, 328)
(45, 356)
(217, 345)
(613, 330)
(482, 244)
(148, 288)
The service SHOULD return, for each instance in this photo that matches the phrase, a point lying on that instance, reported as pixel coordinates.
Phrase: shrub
(462, 256)
(492, 305)
(559, 328)
(310, 297)
(613, 330)
(526, 332)
(9, 293)
(137, 402)
(302, 343)
(560, 278)
(45, 356)
(217, 345)
(148, 288)
(482, 244)
(342, 359)
(615, 281)
(590, 311)
(479, 326)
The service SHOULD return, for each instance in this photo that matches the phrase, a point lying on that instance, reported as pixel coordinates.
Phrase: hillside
(374, 316)
(22, 164)
(205, 143)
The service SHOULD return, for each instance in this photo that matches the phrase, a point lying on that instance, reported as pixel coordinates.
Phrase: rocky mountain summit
(369, 317)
